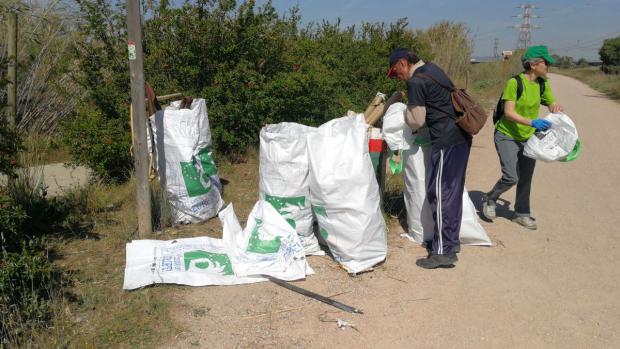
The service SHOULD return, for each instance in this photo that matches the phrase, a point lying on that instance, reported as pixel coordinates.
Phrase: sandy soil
(556, 287)
(59, 177)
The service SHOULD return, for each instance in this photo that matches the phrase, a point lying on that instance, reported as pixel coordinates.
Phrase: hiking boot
(526, 221)
(488, 209)
(437, 261)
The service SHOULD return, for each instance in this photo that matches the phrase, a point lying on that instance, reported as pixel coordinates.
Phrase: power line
(496, 49)
(589, 42)
(525, 28)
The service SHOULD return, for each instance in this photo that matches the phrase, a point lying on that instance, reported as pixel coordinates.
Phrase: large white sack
(184, 161)
(419, 214)
(197, 261)
(396, 133)
(283, 177)
(345, 195)
(268, 245)
(554, 144)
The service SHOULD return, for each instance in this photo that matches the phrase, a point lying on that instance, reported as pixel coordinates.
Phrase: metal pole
(136, 71)
(12, 70)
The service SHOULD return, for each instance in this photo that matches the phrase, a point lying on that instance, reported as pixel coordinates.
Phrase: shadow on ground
(502, 210)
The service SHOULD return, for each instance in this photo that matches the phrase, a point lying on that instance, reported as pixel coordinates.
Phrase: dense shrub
(28, 287)
(10, 143)
(610, 56)
(100, 142)
(29, 283)
(252, 66)
(11, 218)
(564, 61)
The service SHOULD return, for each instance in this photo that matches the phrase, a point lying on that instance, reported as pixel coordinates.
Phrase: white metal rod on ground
(136, 70)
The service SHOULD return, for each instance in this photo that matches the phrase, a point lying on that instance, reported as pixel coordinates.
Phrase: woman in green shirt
(515, 127)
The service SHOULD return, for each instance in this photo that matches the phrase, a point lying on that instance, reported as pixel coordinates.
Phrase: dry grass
(608, 84)
(451, 46)
(486, 81)
(96, 312)
(42, 150)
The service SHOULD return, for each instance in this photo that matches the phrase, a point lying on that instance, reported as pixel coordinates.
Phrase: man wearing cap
(430, 104)
(518, 123)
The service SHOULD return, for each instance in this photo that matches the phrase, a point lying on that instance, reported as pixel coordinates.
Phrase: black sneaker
(437, 261)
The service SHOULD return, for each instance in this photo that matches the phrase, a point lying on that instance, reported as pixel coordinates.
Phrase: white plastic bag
(184, 161)
(197, 261)
(345, 195)
(419, 214)
(268, 245)
(283, 177)
(396, 133)
(554, 144)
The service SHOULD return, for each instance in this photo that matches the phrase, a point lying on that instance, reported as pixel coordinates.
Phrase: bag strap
(519, 86)
(428, 77)
(541, 86)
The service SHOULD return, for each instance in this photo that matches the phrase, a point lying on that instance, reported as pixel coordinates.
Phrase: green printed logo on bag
(256, 245)
(194, 184)
(208, 260)
(206, 161)
(323, 233)
(282, 204)
(319, 211)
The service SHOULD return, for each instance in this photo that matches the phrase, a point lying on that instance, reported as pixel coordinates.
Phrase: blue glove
(541, 124)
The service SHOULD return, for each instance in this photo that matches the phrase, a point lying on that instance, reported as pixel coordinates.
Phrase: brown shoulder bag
(469, 114)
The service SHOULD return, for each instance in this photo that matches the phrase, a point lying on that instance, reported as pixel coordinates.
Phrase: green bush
(610, 55)
(252, 66)
(611, 69)
(564, 61)
(10, 144)
(100, 142)
(28, 286)
(11, 218)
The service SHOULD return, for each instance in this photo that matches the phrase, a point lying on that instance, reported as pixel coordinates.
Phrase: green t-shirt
(527, 106)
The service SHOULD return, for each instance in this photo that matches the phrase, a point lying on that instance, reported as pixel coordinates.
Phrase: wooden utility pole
(506, 58)
(136, 71)
(12, 69)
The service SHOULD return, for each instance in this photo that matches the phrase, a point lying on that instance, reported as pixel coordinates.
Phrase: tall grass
(608, 84)
(485, 81)
(451, 47)
(43, 149)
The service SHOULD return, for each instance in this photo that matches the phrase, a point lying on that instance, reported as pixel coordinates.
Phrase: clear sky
(569, 27)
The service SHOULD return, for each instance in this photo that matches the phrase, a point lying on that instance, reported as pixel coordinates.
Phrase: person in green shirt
(515, 127)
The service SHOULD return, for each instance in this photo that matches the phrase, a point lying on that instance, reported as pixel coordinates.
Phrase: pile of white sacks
(307, 174)
(315, 185)
(267, 246)
(326, 173)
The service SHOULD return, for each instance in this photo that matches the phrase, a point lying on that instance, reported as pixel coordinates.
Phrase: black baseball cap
(396, 55)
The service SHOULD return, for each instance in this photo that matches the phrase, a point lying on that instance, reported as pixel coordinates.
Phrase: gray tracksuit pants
(516, 169)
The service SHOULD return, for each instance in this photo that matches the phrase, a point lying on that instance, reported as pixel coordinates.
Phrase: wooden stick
(167, 97)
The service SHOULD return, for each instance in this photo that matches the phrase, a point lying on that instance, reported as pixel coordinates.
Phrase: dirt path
(58, 177)
(556, 287)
